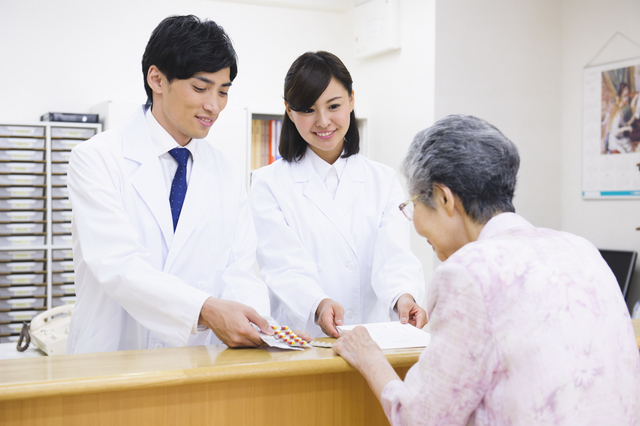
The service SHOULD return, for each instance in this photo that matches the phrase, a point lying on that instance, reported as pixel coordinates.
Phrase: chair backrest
(622, 264)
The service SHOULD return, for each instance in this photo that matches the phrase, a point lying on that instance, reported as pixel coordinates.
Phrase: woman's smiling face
(324, 124)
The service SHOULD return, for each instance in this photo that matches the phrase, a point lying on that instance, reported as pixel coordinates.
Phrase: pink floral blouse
(528, 326)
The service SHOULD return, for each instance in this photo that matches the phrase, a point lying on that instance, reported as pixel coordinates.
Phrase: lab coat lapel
(351, 184)
(317, 193)
(196, 202)
(138, 147)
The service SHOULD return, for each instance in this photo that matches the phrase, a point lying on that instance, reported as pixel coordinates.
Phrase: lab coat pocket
(103, 340)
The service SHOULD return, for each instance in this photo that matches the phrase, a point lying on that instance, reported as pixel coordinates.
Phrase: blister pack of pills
(318, 344)
(284, 338)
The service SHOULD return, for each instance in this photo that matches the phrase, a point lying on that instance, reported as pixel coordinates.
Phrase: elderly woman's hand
(359, 350)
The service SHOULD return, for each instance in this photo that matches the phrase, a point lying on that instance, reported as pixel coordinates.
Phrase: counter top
(75, 374)
(129, 370)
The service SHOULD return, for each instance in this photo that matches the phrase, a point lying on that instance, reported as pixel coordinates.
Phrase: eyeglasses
(407, 208)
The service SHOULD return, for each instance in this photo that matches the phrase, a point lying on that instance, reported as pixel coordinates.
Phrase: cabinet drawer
(64, 300)
(12, 328)
(59, 167)
(14, 279)
(21, 155)
(21, 216)
(21, 266)
(60, 216)
(67, 144)
(60, 156)
(17, 316)
(61, 204)
(22, 228)
(61, 228)
(18, 180)
(63, 254)
(63, 290)
(59, 180)
(62, 240)
(21, 191)
(22, 291)
(23, 240)
(21, 255)
(21, 204)
(22, 168)
(64, 277)
(72, 132)
(60, 191)
(62, 265)
(20, 303)
(32, 131)
(22, 143)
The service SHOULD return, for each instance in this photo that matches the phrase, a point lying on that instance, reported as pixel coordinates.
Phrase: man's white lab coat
(138, 284)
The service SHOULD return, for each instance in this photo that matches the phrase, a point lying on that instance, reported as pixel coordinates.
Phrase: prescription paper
(394, 335)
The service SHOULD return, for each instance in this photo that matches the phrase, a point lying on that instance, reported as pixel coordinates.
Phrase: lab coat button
(351, 266)
(349, 313)
(158, 345)
(319, 266)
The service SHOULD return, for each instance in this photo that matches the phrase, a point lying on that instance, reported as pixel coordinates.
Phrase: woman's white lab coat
(354, 249)
(140, 285)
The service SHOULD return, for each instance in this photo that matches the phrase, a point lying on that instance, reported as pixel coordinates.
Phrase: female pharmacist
(333, 247)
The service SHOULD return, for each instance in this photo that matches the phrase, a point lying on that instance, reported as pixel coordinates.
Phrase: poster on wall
(611, 131)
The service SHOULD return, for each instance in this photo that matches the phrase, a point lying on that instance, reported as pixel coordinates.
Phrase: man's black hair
(182, 46)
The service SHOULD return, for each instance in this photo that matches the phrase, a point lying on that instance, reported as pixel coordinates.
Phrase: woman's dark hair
(182, 46)
(306, 80)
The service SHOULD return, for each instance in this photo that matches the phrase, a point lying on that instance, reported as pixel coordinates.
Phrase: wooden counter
(191, 386)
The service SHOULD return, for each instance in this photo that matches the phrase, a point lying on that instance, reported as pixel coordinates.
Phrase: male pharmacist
(163, 239)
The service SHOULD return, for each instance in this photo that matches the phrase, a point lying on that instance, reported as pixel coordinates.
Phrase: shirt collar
(501, 223)
(322, 167)
(163, 142)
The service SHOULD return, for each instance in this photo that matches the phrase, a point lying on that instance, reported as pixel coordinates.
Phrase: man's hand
(330, 314)
(230, 321)
(410, 312)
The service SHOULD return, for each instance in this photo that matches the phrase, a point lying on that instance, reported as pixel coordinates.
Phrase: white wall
(70, 55)
(500, 60)
(395, 92)
(587, 26)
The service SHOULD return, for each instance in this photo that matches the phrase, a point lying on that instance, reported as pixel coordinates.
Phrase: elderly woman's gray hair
(470, 157)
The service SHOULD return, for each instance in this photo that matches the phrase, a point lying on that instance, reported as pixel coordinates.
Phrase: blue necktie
(179, 184)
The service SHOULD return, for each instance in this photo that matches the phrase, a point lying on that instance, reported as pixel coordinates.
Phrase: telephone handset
(49, 331)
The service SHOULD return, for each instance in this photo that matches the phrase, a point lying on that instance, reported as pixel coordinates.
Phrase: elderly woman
(528, 325)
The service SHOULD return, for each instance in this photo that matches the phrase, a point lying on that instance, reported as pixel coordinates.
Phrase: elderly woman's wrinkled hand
(357, 348)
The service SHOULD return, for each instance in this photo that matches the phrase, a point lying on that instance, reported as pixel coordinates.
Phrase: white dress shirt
(329, 173)
(163, 142)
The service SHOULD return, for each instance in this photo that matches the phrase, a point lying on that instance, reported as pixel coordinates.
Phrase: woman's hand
(359, 350)
(329, 315)
(410, 312)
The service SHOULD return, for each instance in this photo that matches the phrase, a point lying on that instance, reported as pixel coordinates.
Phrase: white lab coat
(354, 249)
(138, 284)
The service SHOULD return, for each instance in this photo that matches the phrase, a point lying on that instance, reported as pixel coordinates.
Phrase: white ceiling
(324, 5)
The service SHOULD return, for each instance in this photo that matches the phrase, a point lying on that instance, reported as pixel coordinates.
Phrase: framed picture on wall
(611, 131)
